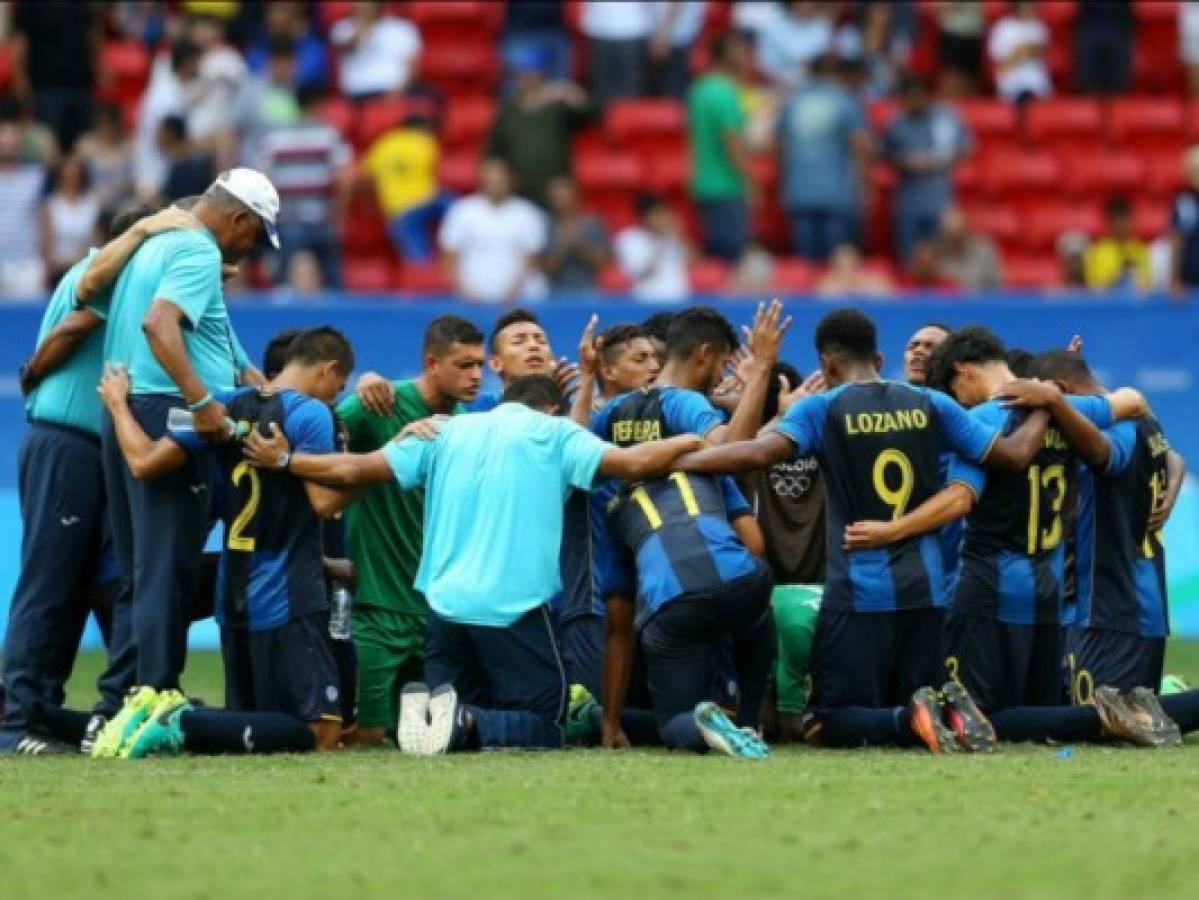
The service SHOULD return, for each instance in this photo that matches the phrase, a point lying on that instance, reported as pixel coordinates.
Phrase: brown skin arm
(618, 663)
(751, 535)
(1087, 441)
(1176, 472)
(646, 460)
(106, 265)
(741, 456)
(147, 459)
(163, 327)
(1128, 403)
(952, 502)
(59, 345)
(1014, 452)
(763, 342)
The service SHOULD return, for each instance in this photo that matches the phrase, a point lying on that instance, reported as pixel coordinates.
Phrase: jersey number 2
(238, 540)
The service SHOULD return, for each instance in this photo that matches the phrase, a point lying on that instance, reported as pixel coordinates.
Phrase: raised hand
(377, 394)
(764, 339)
(590, 348)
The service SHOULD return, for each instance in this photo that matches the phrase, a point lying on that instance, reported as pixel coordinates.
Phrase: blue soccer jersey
(1013, 557)
(880, 445)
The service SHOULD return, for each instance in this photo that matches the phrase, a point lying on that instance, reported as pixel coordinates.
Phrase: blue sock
(1048, 723)
(680, 732)
(226, 731)
(861, 726)
(1182, 708)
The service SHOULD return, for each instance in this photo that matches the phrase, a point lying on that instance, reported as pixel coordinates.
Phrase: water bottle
(341, 603)
(183, 421)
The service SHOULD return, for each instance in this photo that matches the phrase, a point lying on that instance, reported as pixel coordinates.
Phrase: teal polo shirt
(495, 490)
(67, 396)
(183, 267)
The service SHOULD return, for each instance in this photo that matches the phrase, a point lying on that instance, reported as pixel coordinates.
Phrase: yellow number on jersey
(237, 537)
(652, 516)
(1042, 480)
(897, 498)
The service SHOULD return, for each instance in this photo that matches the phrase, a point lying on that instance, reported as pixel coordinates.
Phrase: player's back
(272, 568)
(880, 449)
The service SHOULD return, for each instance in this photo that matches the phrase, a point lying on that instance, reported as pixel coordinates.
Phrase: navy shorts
(1116, 659)
(290, 669)
(1004, 665)
(583, 651)
(876, 659)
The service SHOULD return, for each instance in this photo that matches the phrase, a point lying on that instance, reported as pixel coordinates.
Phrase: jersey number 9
(885, 464)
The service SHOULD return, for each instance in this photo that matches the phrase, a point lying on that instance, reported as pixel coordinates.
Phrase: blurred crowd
(332, 101)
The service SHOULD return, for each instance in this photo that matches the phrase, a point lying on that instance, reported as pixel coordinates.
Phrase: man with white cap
(169, 327)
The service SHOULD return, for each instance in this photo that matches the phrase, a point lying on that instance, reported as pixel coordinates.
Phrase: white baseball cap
(255, 190)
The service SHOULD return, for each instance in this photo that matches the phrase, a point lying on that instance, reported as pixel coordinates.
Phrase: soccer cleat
(927, 713)
(1122, 720)
(721, 734)
(162, 731)
(116, 734)
(580, 727)
(973, 731)
(446, 721)
(94, 726)
(1173, 684)
(1166, 729)
(32, 745)
(414, 717)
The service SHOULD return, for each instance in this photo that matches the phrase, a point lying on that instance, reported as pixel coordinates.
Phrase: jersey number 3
(1039, 480)
(238, 539)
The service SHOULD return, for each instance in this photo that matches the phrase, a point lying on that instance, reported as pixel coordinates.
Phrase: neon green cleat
(161, 731)
(116, 734)
(1172, 684)
(579, 726)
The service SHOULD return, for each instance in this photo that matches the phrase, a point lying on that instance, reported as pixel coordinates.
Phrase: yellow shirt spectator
(403, 164)
(1111, 262)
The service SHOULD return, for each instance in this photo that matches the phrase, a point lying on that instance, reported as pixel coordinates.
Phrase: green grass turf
(1102, 822)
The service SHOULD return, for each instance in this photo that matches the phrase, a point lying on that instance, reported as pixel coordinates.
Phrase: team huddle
(678, 541)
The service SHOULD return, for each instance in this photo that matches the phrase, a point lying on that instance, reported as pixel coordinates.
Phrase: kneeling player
(280, 673)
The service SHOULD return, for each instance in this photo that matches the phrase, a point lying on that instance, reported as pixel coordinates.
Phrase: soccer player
(168, 326)
(280, 674)
(1123, 613)
(62, 489)
(656, 327)
(919, 348)
(492, 651)
(1004, 631)
(387, 523)
(878, 654)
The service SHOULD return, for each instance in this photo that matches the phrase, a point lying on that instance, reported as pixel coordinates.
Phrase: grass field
(1027, 822)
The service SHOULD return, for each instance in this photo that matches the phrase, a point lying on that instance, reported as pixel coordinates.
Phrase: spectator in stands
(172, 86)
(924, 143)
(493, 240)
(1017, 46)
(1188, 33)
(755, 272)
(378, 54)
(54, 49)
(1118, 258)
(1184, 228)
(653, 254)
(802, 31)
(286, 19)
(1071, 249)
(303, 275)
(67, 218)
(617, 33)
(37, 142)
(268, 100)
(539, 27)
(190, 169)
(676, 25)
(213, 107)
(823, 141)
(578, 244)
(402, 162)
(965, 258)
(880, 43)
(960, 25)
(22, 272)
(922, 270)
(847, 275)
(721, 179)
(531, 131)
(311, 166)
(1103, 34)
(108, 155)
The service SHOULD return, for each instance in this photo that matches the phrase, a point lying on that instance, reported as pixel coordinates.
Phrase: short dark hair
(697, 326)
(511, 317)
(1117, 206)
(122, 219)
(646, 203)
(183, 52)
(972, 344)
(723, 44)
(538, 392)
(794, 379)
(175, 126)
(321, 344)
(310, 95)
(657, 325)
(848, 332)
(617, 336)
(1023, 363)
(280, 45)
(1063, 365)
(274, 357)
(445, 331)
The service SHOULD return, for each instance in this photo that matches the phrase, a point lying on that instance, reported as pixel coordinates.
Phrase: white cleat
(414, 718)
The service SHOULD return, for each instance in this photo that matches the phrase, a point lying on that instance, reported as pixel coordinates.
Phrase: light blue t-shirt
(817, 168)
(495, 488)
(183, 267)
(67, 396)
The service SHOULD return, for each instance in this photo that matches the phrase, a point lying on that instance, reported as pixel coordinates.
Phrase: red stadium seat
(668, 173)
(1064, 120)
(1163, 171)
(368, 273)
(459, 172)
(373, 117)
(461, 13)
(340, 114)
(880, 113)
(708, 276)
(467, 121)
(1102, 172)
(793, 275)
(467, 67)
(1032, 272)
(611, 278)
(1034, 171)
(424, 278)
(988, 118)
(996, 221)
(1151, 219)
(329, 12)
(124, 71)
(1044, 223)
(611, 171)
(630, 120)
(1140, 121)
